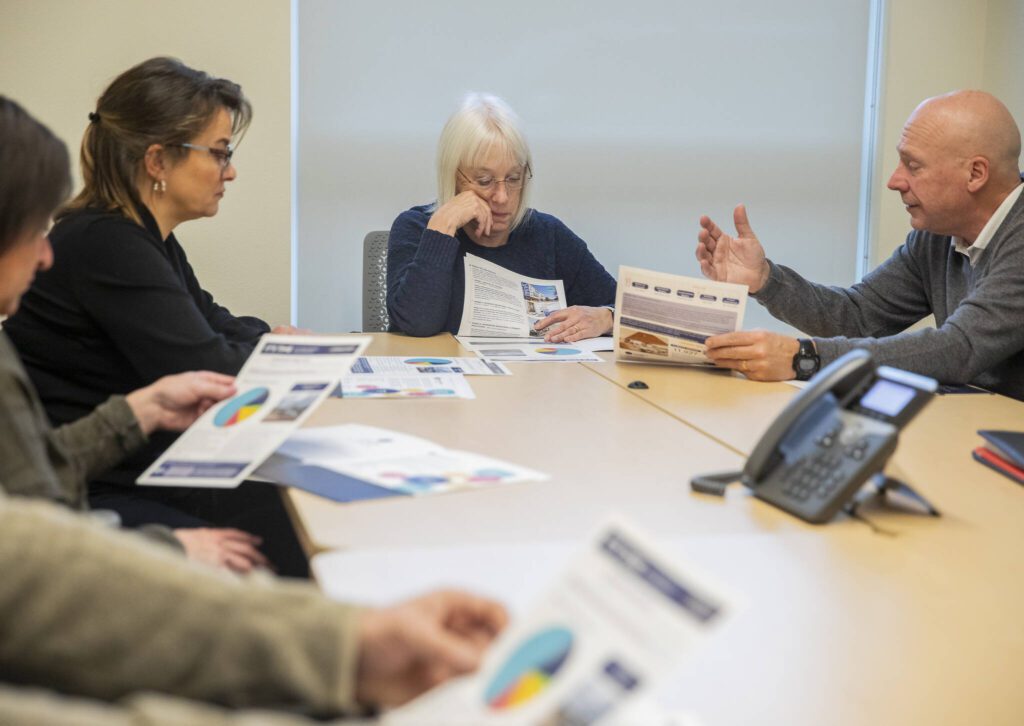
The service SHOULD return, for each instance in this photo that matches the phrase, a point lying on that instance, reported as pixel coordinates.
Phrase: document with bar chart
(282, 382)
(618, 620)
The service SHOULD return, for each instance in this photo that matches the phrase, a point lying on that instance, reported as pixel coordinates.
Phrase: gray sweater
(979, 311)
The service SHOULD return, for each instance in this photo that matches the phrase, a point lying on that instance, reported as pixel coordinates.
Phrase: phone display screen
(887, 398)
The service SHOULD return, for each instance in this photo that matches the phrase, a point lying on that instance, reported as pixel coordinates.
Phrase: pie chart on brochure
(529, 670)
(559, 351)
(241, 407)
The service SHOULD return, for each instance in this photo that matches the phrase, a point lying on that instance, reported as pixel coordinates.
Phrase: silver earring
(160, 186)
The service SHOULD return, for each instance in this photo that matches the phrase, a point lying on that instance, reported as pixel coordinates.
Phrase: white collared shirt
(973, 251)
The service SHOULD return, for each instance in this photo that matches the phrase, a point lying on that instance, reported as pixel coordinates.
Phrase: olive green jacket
(37, 460)
(100, 614)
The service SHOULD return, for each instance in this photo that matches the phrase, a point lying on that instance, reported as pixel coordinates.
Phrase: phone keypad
(819, 474)
(815, 475)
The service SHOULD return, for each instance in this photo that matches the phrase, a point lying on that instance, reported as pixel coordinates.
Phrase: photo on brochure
(667, 318)
(541, 301)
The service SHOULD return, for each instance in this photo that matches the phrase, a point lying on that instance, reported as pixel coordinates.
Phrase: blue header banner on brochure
(635, 561)
(285, 349)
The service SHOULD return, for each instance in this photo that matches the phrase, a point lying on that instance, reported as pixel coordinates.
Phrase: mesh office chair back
(375, 282)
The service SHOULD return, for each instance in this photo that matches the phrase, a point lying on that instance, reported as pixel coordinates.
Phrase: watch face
(807, 365)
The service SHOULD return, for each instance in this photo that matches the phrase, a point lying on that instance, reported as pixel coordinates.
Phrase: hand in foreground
(738, 259)
(411, 647)
(174, 402)
(757, 354)
(575, 323)
(290, 330)
(230, 548)
(460, 210)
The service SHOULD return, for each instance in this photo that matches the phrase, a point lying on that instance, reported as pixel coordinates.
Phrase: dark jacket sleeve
(237, 328)
(421, 266)
(129, 287)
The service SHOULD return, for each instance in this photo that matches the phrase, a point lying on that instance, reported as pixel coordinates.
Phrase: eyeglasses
(223, 156)
(513, 182)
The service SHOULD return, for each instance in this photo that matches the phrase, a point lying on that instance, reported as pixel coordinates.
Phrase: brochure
(533, 349)
(500, 303)
(617, 622)
(404, 385)
(282, 382)
(430, 364)
(354, 462)
(666, 318)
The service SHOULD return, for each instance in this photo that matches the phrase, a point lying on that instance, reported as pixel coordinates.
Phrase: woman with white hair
(483, 177)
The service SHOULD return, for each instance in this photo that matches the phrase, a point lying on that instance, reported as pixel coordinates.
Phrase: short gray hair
(481, 123)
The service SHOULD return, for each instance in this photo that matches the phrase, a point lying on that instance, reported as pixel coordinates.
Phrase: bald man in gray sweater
(960, 181)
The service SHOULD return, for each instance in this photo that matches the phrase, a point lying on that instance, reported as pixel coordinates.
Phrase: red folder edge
(986, 457)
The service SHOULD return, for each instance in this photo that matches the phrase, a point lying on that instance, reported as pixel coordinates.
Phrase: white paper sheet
(430, 364)
(620, 618)
(405, 385)
(665, 318)
(517, 350)
(282, 382)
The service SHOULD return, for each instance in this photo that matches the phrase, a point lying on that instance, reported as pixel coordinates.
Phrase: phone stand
(881, 487)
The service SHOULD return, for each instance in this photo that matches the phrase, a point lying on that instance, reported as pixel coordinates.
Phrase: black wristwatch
(806, 362)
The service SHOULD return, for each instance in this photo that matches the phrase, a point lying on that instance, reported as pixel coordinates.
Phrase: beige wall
(935, 46)
(56, 56)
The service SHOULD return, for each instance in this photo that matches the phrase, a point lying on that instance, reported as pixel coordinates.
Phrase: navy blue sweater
(427, 279)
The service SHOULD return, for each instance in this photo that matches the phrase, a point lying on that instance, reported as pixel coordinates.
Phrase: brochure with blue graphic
(616, 623)
(282, 382)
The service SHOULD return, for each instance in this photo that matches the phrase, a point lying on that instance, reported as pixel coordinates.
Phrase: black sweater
(120, 308)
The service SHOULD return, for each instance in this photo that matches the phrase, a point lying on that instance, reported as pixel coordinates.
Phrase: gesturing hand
(174, 402)
(575, 323)
(460, 210)
(230, 548)
(738, 259)
(413, 646)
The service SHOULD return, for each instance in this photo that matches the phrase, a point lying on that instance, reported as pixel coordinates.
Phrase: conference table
(895, 617)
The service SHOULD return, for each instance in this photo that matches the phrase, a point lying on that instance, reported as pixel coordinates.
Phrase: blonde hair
(482, 124)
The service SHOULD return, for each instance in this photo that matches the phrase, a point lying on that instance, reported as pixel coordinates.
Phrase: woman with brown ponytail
(121, 306)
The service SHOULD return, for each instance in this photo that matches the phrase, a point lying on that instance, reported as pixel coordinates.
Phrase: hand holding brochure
(666, 318)
(284, 380)
(618, 621)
